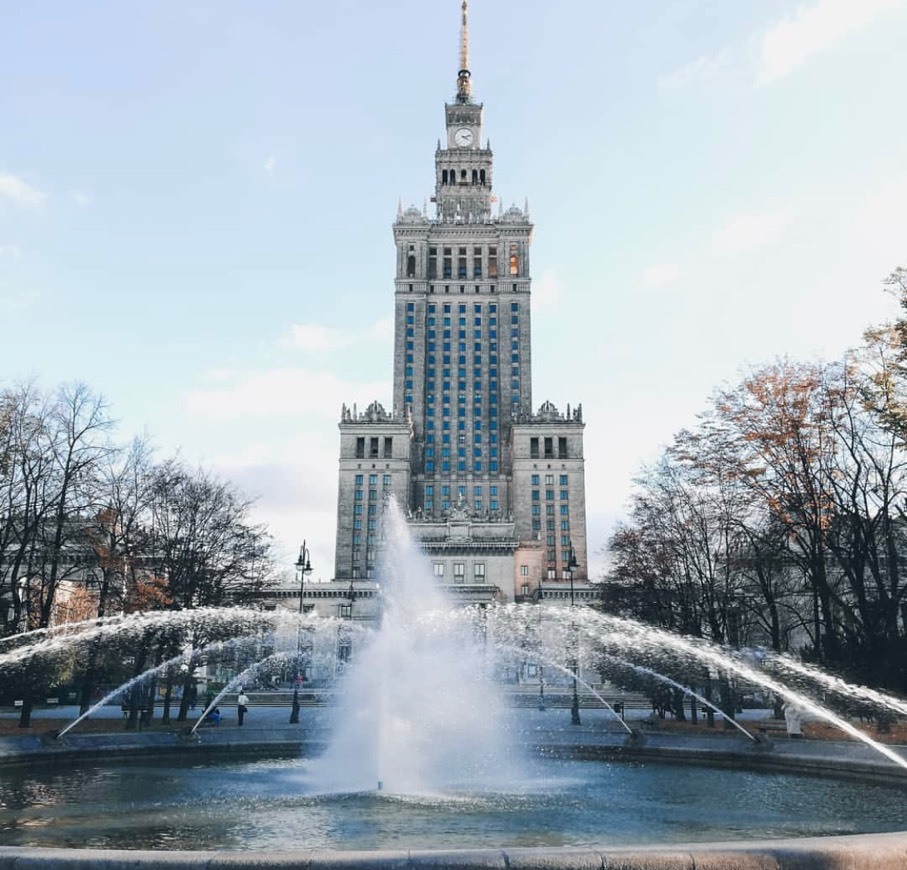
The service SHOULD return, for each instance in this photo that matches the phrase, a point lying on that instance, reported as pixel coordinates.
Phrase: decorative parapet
(548, 413)
(374, 413)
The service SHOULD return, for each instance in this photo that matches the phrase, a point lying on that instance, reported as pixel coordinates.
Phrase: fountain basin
(209, 764)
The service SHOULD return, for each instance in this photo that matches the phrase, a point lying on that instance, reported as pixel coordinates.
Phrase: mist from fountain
(418, 711)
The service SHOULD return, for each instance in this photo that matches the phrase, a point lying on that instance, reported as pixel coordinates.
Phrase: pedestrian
(242, 705)
(793, 720)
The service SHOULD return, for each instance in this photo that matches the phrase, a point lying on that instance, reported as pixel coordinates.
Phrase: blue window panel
(461, 466)
(493, 504)
(410, 306)
(445, 466)
(492, 466)
(409, 357)
(429, 466)
(477, 467)
(409, 332)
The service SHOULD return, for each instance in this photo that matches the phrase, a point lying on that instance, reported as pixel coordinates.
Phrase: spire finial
(463, 85)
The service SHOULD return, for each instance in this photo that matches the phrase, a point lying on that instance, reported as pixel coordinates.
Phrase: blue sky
(196, 200)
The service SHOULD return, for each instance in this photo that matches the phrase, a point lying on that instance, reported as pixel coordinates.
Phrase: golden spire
(463, 84)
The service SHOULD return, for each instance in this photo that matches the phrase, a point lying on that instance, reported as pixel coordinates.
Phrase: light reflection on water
(267, 805)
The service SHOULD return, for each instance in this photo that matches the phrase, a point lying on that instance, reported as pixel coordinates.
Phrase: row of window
(549, 495)
(446, 307)
(459, 571)
(446, 466)
(373, 444)
(548, 445)
(461, 264)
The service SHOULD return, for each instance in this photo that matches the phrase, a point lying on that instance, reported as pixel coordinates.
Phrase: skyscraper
(494, 492)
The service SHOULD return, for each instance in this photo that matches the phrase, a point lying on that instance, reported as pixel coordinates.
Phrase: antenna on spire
(464, 88)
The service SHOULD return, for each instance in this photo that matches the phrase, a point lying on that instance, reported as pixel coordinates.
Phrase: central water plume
(418, 710)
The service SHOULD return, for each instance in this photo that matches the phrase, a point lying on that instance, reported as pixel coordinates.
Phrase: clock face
(463, 137)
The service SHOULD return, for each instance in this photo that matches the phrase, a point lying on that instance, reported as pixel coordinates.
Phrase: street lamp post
(574, 664)
(303, 567)
(541, 650)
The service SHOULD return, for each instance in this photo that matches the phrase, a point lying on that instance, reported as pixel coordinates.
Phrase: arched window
(482, 177)
(462, 176)
(443, 176)
(475, 176)
(411, 266)
(514, 260)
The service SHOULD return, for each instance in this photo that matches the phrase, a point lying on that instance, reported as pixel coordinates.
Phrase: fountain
(420, 752)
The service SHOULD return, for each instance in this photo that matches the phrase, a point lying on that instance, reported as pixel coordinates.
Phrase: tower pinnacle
(464, 89)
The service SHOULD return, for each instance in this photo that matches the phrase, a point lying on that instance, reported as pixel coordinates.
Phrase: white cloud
(659, 275)
(10, 252)
(280, 394)
(703, 69)
(879, 227)
(270, 165)
(81, 197)
(315, 338)
(547, 289)
(746, 233)
(812, 29)
(20, 192)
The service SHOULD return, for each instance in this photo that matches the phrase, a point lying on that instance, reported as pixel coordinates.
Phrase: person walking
(242, 706)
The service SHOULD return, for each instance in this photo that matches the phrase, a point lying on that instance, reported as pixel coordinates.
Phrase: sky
(196, 200)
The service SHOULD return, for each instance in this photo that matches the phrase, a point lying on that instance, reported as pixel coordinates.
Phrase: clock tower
(463, 168)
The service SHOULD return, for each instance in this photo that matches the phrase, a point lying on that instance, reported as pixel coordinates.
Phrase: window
(549, 494)
(386, 480)
(459, 570)
(534, 454)
(360, 448)
(535, 480)
(565, 494)
(524, 570)
(438, 568)
(479, 572)
(549, 480)
(549, 448)
(563, 480)
(562, 453)
(493, 262)
(514, 260)
(358, 480)
(373, 448)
